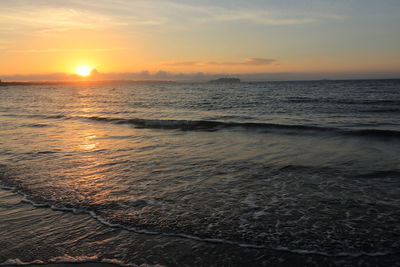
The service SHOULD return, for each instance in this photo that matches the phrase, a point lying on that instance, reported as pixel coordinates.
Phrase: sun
(83, 70)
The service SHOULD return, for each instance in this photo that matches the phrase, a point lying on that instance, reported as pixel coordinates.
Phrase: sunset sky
(50, 39)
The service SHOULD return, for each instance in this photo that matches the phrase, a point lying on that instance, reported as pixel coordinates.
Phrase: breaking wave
(208, 125)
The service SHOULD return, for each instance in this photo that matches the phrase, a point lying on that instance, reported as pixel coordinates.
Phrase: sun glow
(83, 70)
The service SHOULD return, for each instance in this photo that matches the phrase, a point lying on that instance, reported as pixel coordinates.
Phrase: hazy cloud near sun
(58, 50)
(246, 62)
(201, 76)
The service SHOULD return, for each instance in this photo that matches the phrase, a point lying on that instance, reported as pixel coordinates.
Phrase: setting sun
(84, 70)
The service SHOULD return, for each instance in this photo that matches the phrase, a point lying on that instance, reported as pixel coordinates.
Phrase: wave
(375, 133)
(94, 259)
(203, 124)
(381, 174)
(342, 101)
(57, 207)
(216, 125)
(383, 110)
(210, 125)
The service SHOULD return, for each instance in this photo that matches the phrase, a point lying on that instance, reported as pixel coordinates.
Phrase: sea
(302, 173)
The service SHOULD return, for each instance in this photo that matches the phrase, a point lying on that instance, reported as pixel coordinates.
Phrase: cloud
(259, 61)
(60, 16)
(42, 19)
(260, 13)
(319, 58)
(263, 17)
(58, 50)
(202, 76)
(97, 75)
(246, 62)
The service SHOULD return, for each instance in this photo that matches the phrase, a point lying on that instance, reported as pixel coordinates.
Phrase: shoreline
(224, 254)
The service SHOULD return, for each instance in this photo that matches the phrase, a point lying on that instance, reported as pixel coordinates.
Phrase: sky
(187, 39)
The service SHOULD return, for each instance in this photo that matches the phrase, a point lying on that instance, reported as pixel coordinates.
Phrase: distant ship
(225, 80)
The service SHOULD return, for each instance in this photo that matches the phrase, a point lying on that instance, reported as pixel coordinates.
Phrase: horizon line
(109, 82)
(162, 75)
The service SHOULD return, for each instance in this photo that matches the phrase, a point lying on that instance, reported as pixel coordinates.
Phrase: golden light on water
(84, 70)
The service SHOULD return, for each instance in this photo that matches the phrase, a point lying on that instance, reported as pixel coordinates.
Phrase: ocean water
(249, 174)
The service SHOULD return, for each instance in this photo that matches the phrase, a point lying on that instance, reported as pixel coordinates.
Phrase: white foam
(250, 201)
(341, 254)
(19, 262)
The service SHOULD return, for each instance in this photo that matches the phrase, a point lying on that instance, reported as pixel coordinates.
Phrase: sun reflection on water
(88, 142)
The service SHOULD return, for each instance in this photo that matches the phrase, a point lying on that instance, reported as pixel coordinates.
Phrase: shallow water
(310, 168)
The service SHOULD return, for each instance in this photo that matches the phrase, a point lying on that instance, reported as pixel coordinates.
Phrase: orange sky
(120, 36)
